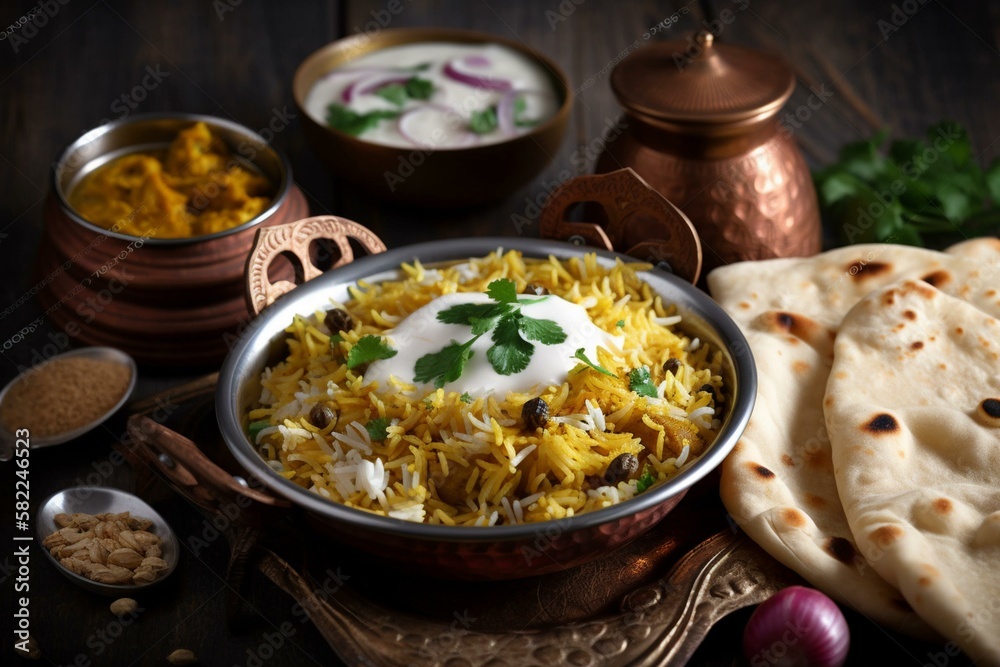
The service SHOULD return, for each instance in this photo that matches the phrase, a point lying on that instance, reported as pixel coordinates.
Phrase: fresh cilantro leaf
(395, 93)
(484, 122)
(600, 369)
(419, 89)
(640, 382)
(422, 67)
(520, 106)
(368, 348)
(445, 365)
(646, 481)
(377, 428)
(256, 427)
(620, 324)
(502, 290)
(464, 313)
(481, 325)
(465, 398)
(351, 122)
(545, 332)
(509, 354)
(335, 339)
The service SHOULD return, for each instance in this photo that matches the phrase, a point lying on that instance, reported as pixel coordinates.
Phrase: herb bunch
(920, 192)
(511, 331)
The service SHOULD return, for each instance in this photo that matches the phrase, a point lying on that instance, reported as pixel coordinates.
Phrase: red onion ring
(475, 80)
(369, 84)
(505, 109)
(407, 117)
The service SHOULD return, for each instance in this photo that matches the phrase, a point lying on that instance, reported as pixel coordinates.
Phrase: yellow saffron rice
(473, 462)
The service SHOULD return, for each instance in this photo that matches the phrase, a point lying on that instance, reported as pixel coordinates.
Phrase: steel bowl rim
(550, 66)
(230, 422)
(280, 196)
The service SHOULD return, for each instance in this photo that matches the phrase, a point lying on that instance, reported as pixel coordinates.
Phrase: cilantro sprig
(351, 122)
(511, 331)
(414, 88)
(923, 192)
(641, 383)
(378, 428)
(646, 481)
(369, 348)
(582, 356)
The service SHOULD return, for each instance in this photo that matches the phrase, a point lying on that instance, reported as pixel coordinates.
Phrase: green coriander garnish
(510, 330)
(414, 88)
(646, 480)
(465, 398)
(620, 324)
(597, 367)
(520, 106)
(377, 428)
(256, 427)
(484, 122)
(336, 339)
(367, 349)
(640, 382)
(351, 122)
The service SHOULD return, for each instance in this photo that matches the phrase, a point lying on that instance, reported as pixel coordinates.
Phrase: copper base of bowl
(166, 305)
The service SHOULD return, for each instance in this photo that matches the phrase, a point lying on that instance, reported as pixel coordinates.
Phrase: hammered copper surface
(640, 221)
(649, 603)
(700, 128)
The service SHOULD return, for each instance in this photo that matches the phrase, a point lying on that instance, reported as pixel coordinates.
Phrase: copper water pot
(700, 126)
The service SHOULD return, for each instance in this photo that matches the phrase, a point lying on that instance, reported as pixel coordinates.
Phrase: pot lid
(700, 81)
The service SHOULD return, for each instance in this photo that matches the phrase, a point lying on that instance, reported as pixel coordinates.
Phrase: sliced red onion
(453, 71)
(505, 109)
(476, 60)
(369, 84)
(797, 626)
(453, 130)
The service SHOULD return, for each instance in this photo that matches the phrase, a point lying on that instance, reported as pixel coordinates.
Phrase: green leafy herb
(597, 367)
(415, 88)
(465, 398)
(484, 122)
(422, 67)
(369, 348)
(256, 427)
(335, 339)
(923, 192)
(511, 334)
(351, 122)
(640, 382)
(377, 428)
(620, 324)
(444, 366)
(646, 481)
(520, 106)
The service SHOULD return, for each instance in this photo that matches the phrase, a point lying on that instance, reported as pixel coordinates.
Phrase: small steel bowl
(164, 301)
(97, 500)
(442, 178)
(495, 552)
(7, 439)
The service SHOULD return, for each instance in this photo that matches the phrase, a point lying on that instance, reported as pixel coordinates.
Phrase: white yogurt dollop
(422, 333)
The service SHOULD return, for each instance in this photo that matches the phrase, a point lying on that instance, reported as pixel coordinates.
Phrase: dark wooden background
(235, 59)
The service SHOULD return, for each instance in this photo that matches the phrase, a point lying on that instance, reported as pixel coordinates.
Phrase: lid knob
(705, 38)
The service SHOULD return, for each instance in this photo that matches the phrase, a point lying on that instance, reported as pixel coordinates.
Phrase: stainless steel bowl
(478, 552)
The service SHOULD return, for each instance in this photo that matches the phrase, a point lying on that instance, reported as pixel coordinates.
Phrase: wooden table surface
(912, 63)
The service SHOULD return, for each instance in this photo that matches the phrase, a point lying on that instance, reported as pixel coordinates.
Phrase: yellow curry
(193, 188)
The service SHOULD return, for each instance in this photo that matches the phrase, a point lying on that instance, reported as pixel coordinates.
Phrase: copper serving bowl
(446, 177)
(175, 301)
(497, 552)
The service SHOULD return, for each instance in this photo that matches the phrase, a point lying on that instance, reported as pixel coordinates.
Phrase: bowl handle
(641, 222)
(294, 239)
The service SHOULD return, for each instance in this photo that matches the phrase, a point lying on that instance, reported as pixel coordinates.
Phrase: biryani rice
(448, 461)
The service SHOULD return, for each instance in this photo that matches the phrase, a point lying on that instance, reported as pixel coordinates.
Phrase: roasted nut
(112, 574)
(143, 575)
(620, 468)
(338, 319)
(145, 539)
(123, 606)
(154, 563)
(114, 548)
(54, 541)
(182, 656)
(125, 557)
(127, 539)
(322, 415)
(73, 565)
(153, 550)
(138, 523)
(62, 519)
(97, 552)
(535, 413)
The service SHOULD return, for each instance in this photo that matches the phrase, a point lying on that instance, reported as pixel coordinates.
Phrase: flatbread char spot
(881, 424)
(841, 549)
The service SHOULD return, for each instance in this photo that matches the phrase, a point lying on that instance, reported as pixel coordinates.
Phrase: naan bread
(913, 412)
(778, 483)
